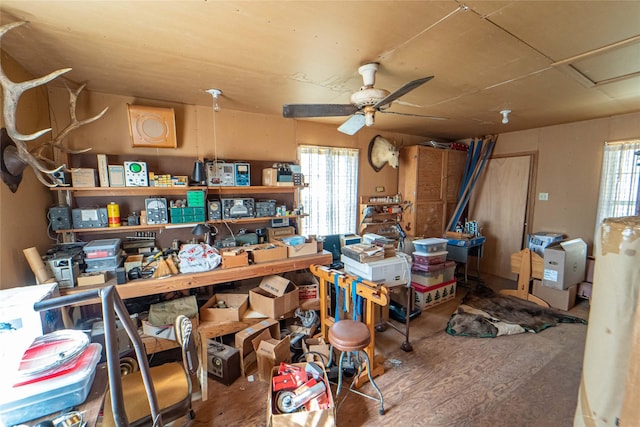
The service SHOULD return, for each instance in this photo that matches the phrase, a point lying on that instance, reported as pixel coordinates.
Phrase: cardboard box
(274, 233)
(16, 310)
(564, 264)
(269, 177)
(234, 258)
(302, 330)
(266, 253)
(590, 268)
(95, 278)
(316, 418)
(428, 296)
(310, 292)
(274, 297)
(243, 342)
(116, 176)
(83, 177)
(103, 170)
(309, 247)
(541, 239)
(584, 290)
(562, 299)
(236, 305)
(270, 352)
(307, 283)
(316, 350)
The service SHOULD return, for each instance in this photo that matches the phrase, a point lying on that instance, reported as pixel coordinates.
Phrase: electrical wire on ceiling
(215, 95)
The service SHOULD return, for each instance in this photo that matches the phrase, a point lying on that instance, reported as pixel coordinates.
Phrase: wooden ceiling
(550, 62)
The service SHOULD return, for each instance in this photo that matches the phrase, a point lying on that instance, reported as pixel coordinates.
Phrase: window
(619, 180)
(331, 198)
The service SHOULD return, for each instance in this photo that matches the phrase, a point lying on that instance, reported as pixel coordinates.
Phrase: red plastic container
(421, 258)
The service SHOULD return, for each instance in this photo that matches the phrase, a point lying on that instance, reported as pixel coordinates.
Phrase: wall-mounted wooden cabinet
(429, 183)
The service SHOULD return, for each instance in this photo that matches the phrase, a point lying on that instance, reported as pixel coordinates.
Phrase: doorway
(501, 204)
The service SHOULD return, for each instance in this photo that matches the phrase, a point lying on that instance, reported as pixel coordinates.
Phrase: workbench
(145, 287)
(178, 282)
(459, 250)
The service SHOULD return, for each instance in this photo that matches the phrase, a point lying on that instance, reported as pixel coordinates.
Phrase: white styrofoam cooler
(389, 271)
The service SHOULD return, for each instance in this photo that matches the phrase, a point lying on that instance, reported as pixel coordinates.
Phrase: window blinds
(619, 180)
(331, 198)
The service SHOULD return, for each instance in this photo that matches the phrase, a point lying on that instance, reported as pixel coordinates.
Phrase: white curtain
(331, 198)
(619, 180)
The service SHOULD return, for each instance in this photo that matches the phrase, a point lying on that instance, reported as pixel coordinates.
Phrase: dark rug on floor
(486, 314)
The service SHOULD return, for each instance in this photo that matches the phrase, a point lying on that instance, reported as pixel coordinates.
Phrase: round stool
(350, 336)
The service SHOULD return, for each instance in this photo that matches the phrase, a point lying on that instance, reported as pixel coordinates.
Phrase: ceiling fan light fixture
(215, 93)
(368, 73)
(368, 96)
(369, 116)
(505, 116)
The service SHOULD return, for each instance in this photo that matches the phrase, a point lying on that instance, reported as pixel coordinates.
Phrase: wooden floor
(520, 380)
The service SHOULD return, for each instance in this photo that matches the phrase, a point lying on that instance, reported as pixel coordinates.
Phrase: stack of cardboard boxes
(564, 269)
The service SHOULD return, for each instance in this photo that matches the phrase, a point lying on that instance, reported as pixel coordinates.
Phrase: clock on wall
(152, 126)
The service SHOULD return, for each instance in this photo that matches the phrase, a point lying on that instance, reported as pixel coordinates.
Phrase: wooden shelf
(255, 219)
(381, 218)
(128, 228)
(173, 191)
(144, 287)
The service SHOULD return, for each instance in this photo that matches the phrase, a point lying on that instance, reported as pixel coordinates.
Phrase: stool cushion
(349, 335)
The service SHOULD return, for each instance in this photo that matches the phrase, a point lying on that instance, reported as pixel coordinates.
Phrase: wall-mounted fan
(364, 103)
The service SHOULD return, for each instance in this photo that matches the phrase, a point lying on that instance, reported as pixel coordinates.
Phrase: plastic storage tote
(430, 258)
(102, 248)
(430, 245)
(37, 399)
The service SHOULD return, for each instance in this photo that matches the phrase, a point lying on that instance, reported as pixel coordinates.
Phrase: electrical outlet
(543, 196)
(380, 189)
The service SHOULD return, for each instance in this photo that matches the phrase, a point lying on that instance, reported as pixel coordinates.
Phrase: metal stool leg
(366, 356)
(339, 375)
(330, 363)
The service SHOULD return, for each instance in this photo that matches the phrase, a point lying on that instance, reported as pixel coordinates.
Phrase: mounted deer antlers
(15, 158)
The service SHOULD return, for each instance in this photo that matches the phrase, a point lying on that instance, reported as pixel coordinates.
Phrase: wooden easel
(372, 293)
(526, 264)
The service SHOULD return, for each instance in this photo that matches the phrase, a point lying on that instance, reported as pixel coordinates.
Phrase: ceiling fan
(364, 103)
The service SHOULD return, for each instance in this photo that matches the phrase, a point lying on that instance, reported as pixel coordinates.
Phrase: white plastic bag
(195, 258)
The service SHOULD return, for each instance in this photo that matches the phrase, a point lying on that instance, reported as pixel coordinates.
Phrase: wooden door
(499, 204)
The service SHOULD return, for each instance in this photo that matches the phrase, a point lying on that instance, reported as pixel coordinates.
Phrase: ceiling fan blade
(413, 115)
(318, 110)
(353, 124)
(408, 87)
